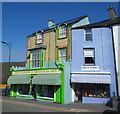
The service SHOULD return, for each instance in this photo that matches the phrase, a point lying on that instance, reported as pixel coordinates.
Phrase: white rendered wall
(116, 34)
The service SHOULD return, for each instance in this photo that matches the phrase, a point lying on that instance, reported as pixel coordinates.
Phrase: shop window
(23, 89)
(62, 31)
(39, 37)
(97, 90)
(89, 58)
(46, 91)
(62, 55)
(88, 35)
(92, 90)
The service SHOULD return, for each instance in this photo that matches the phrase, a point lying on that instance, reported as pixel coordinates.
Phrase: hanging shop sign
(28, 72)
(90, 68)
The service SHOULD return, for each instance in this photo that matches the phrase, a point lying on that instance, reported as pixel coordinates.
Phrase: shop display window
(92, 90)
(23, 89)
(45, 91)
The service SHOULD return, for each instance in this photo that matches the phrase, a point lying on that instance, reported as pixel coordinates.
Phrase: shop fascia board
(35, 69)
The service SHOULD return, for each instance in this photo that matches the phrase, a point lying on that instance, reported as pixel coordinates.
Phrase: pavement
(73, 107)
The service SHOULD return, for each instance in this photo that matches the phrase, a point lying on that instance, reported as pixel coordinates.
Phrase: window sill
(88, 41)
(62, 37)
(39, 43)
(89, 64)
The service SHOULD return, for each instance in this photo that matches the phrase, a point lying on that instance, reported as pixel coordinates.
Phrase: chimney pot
(50, 22)
(112, 13)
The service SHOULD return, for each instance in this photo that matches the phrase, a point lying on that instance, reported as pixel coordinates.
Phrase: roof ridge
(73, 19)
(103, 23)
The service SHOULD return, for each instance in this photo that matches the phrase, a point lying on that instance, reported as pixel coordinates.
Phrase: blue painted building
(93, 73)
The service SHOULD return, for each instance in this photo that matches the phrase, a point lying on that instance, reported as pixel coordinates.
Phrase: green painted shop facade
(41, 84)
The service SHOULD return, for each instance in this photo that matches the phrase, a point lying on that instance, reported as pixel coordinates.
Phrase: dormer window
(88, 35)
(62, 31)
(39, 37)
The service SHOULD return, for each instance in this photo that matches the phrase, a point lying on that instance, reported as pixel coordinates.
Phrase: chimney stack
(112, 13)
(50, 23)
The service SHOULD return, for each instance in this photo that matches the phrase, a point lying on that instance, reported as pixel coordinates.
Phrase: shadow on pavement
(111, 112)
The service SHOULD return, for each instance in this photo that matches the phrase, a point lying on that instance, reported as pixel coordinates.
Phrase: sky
(20, 19)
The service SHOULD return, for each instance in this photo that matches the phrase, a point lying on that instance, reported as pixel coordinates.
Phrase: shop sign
(90, 68)
(46, 71)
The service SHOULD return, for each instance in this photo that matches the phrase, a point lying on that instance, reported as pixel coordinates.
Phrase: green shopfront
(39, 84)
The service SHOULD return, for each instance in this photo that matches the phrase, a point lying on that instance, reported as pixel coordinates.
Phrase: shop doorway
(77, 92)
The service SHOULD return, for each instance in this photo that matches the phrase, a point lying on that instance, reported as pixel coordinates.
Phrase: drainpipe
(49, 51)
(116, 79)
(59, 65)
(69, 44)
(56, 63)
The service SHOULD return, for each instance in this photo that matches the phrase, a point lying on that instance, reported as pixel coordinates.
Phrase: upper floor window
(89, 57)
(62, 31)
(88, 35)
(37, 59)
(62, 55)
(39, 37)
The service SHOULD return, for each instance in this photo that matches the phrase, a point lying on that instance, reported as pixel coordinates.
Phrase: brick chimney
(112, 13)
(50, 23)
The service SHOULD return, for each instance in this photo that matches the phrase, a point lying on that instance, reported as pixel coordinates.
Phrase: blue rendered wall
(94, 100)
(102, 43)
(67, 86)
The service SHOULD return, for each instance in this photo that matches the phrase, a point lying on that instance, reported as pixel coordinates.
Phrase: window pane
(88, 37)
(36, 59)
(23, 89)
(62, 31)
(39, 38)
(62, 55)
(46, 91)
(89, 56)
(89, 53)
(89, 60)
(87, 30)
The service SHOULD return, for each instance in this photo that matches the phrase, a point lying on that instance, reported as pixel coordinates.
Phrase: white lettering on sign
(93, 68)
(47, 71)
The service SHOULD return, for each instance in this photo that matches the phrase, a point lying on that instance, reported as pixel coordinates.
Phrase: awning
(19, 79)
(47, 79)
(90, 78)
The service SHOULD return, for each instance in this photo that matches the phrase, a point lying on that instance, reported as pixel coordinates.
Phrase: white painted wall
(74, 97)
(116, 34)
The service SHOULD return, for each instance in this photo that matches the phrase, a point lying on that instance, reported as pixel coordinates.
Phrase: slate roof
(72, 21)
(104, 23)
(68, 22)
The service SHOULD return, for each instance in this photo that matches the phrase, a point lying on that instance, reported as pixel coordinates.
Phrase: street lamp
(9, 45)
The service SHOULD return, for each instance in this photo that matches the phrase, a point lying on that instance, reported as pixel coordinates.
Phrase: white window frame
(35, 59)
(39, 37)
(62, 56)
(62, 31)
(89, 54)
(85, 33)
